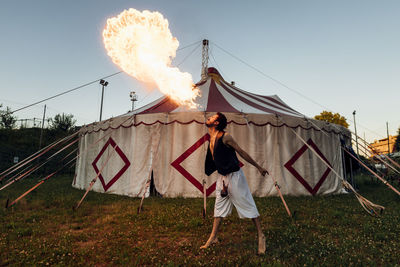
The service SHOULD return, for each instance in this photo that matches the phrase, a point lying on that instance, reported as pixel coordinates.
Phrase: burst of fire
(141, 44)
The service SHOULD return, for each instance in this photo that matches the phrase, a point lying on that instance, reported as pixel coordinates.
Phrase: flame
(141, 44)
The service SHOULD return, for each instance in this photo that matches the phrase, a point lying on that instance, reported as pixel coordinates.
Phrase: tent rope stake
(30, 190)
(204, 199)
(139, 209)
(281, 196)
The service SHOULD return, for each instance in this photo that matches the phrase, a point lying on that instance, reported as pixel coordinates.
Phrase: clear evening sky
(344, 55)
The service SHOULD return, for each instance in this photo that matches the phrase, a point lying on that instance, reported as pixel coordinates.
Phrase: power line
(63, 93)
(81, 86)
(284, 85)
(187, 46)
(270, 77)
(216, 63)
(188, 55)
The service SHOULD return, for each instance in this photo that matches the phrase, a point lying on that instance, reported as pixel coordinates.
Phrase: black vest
(225, 160)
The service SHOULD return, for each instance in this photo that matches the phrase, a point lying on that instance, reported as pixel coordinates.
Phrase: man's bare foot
(209, 243)
(261, 244)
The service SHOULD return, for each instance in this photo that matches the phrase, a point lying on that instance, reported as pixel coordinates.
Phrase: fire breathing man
(232, 188)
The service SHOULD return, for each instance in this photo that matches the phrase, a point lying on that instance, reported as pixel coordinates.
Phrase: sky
(341, 56)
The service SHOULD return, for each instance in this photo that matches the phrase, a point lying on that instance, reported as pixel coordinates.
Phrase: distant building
(381, 146)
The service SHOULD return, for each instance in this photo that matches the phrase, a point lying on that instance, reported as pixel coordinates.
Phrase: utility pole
(204, 60)
(355, 130)
(41, 130)
(387, 131)
(103, 84)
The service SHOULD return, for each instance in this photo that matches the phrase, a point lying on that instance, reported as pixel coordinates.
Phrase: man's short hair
(222, 121)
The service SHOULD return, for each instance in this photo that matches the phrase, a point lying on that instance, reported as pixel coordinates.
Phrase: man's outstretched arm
(228, 140)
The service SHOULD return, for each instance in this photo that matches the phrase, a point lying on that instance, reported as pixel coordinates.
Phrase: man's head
(218, 121)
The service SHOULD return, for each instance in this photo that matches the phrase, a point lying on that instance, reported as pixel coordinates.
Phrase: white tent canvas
(172, 141)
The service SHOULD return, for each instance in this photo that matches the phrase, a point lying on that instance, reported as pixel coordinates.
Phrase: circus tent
(171, 141)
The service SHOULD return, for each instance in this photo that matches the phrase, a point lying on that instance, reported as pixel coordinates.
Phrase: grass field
(42, 229)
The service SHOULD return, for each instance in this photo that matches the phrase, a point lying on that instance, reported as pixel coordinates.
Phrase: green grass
(42, 229)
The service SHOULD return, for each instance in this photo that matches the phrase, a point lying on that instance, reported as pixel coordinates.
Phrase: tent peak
(214, 74)
(212, 70)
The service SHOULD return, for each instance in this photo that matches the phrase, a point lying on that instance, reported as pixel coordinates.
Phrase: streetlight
(134, 98)
(355, 130)
(104, 84)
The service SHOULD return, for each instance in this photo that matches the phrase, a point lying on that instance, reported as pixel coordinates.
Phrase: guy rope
(41, 181)
(70, 163)
(374, 173)
(31, 170)
(34, 156)
(37, 185)
(379, 158)
(364, 165)
(368, 206)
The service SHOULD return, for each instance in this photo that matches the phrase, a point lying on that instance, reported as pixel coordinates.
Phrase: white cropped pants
(238, 195)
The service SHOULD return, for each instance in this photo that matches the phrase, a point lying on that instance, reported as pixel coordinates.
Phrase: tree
(62, 122)
(7, 120)
(332, 118)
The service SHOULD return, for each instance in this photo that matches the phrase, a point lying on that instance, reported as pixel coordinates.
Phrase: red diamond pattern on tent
(292, 170)
(111, 143)
(177, 165)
